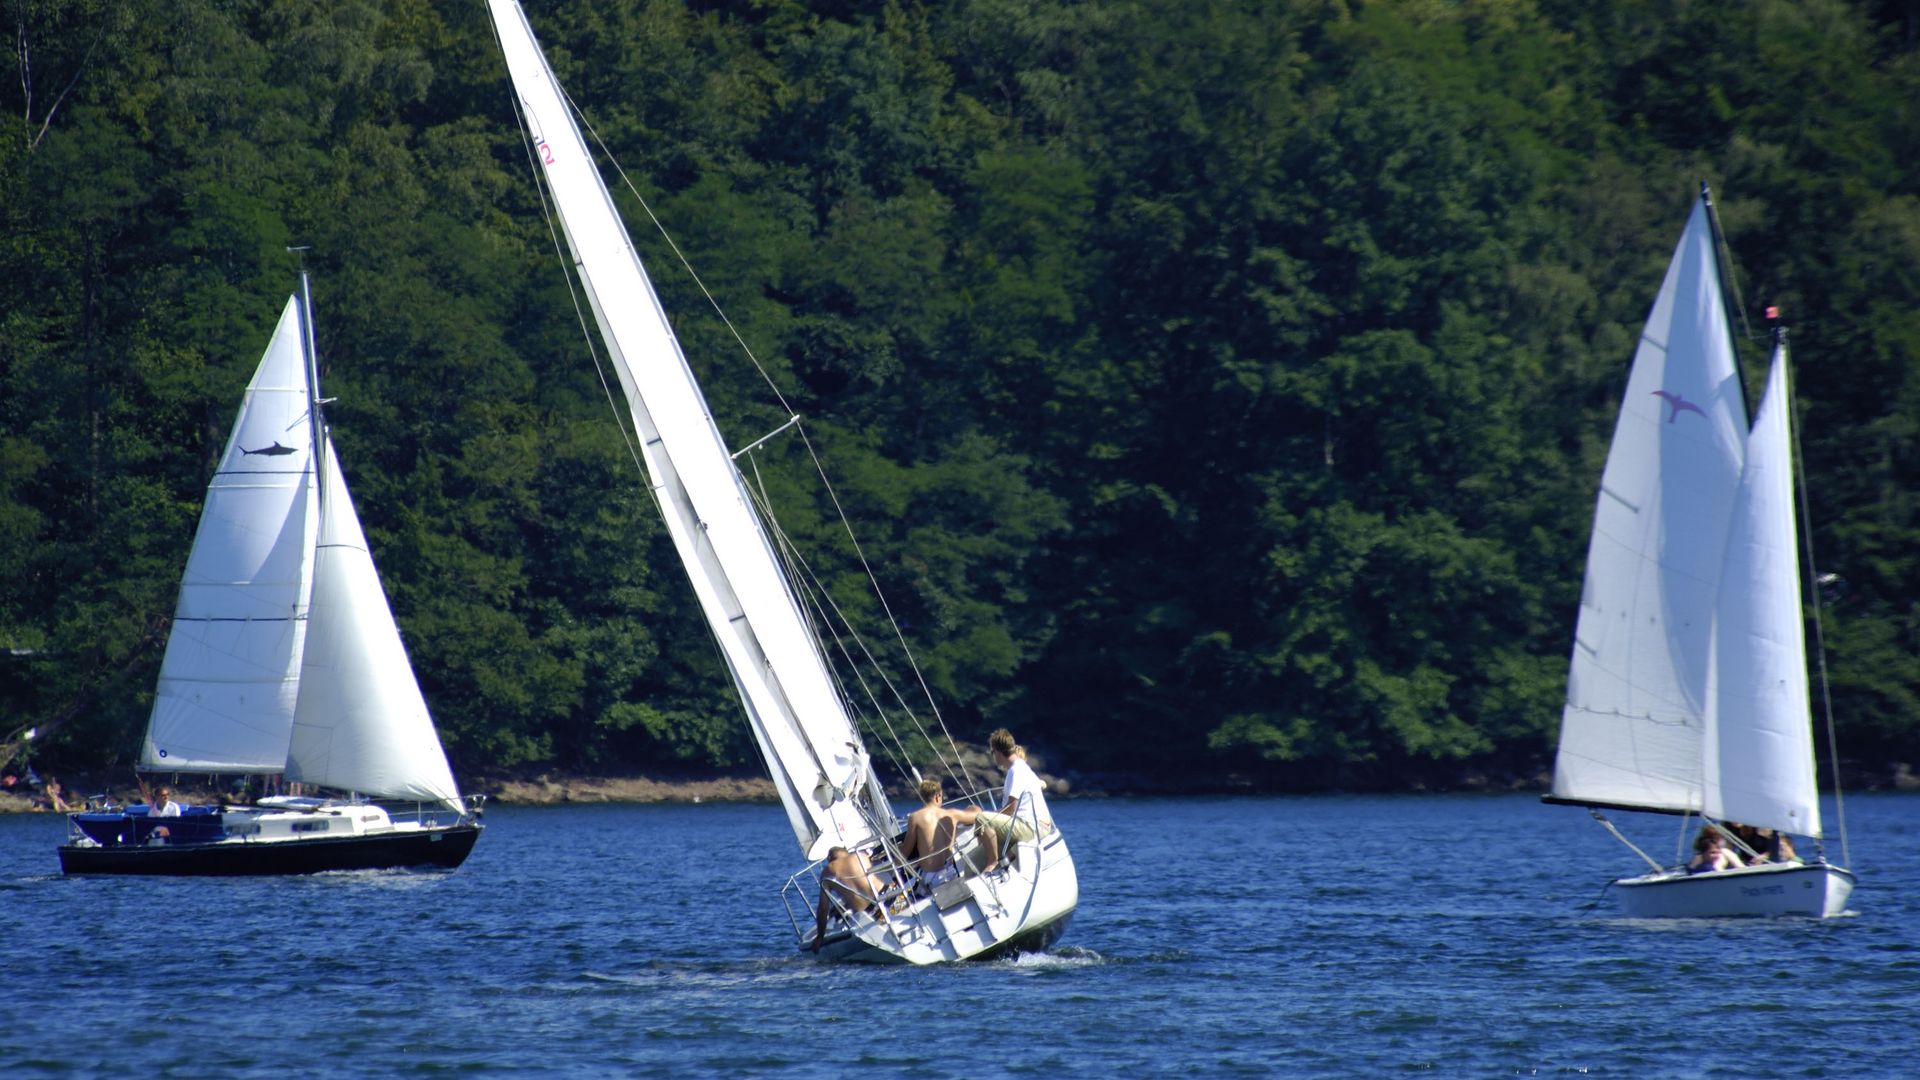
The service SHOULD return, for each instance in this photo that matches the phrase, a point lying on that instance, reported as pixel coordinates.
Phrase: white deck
(1021, 909)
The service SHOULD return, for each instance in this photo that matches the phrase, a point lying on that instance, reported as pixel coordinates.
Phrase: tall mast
(1731, 304)
(315, 421)
(1813, 594)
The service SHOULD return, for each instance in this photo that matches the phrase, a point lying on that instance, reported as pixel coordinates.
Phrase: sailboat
(283, 658)
(1688, 692)
(802, 722)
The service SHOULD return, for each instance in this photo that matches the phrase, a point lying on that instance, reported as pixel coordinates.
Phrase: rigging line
(878, 593)
(901, 758)
(1617, 835)
(546, 213)
(808, 582)
(773, 387)
(691, 273)
(1720, 246)
(1813, 586)
(677, 253)
(895, 750)
(895, 746)
(801, 570)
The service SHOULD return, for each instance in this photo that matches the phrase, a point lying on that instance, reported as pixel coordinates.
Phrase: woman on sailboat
(1710, 853)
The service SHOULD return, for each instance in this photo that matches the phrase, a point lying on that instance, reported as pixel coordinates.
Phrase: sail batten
(799, 722)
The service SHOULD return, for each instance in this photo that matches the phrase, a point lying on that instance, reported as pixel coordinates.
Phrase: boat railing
(800, 893)
(898, 879)
(437, 814)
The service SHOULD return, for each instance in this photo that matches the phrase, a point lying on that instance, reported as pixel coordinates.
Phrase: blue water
(1301, 936)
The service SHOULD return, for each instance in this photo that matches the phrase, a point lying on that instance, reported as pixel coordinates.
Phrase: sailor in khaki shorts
(1026, 802)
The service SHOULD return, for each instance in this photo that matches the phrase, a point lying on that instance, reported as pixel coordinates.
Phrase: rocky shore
(557, 788)
(550, 789)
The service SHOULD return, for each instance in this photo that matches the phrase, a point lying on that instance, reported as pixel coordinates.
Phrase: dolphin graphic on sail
(1678, 403)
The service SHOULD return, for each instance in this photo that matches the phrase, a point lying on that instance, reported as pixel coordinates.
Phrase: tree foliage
(1212, 387)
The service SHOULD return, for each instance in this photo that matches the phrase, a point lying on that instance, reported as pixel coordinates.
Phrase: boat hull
(1024, 910)
(1816, 890)
(445, 846)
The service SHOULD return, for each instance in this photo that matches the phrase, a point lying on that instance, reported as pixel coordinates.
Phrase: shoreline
(555, 788)
(542, 789)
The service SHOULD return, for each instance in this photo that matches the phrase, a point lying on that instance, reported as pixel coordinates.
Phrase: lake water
(1302, 936)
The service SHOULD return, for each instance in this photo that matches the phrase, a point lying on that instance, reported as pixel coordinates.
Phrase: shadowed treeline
(1215, 387)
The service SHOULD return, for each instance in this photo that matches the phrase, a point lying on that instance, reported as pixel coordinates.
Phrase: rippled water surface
(1307, 936)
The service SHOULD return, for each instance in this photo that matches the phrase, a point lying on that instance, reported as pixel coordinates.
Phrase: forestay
(1634, 723)
(229, 680)
(796, 714)
(1759, 765)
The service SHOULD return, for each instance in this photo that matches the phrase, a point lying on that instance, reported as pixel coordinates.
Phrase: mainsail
(1759, 764)
(1633, 729)
(361, 723)
(798, 719)
(230, 677)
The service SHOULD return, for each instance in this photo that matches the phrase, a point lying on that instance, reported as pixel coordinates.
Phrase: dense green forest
(1216, 387)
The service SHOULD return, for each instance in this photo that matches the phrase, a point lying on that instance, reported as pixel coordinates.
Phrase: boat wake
(388, 877)
(1054, 959)
(709, 974)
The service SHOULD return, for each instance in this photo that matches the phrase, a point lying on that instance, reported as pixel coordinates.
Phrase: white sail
(1759, 761)
(798, 719)
(228, 682)
(1633, 727)
(360, 724)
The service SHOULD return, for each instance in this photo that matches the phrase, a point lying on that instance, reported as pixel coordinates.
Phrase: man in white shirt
(163, 804)
(1026, 802)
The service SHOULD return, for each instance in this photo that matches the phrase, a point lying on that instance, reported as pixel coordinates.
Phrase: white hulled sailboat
(1688, 691)
(800, 720)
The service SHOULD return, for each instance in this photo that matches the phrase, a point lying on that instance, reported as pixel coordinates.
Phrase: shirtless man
(846, 876)
(930, 833)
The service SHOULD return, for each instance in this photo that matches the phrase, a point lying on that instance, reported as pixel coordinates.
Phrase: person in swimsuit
(928, 849)
(847, 877)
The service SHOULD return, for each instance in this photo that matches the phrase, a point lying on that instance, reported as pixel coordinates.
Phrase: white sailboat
(1687, 692)
(802, 724)
(283, 657)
